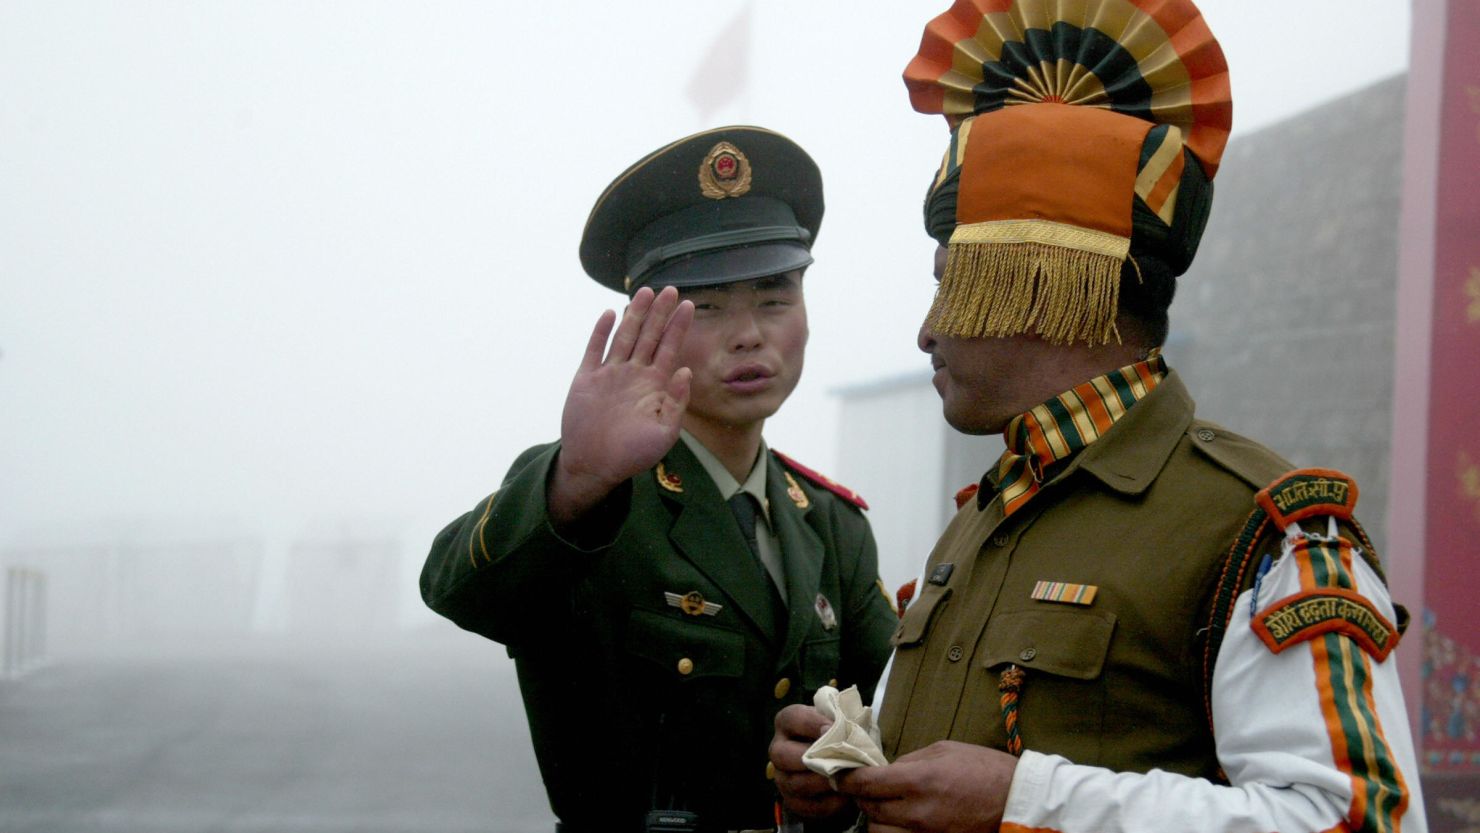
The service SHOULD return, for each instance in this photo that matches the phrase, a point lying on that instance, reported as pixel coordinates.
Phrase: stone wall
(1283, 328)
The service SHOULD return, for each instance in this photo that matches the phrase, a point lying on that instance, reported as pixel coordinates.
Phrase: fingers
(787, 755)
(878, 798)
(945, 786)
(874, 783)
(678, 397)
(805, 788)
(677, 330)
(655, 324)
(646, 324)
(805, 791)
(801, 723)
(627, 331)
(597, 344)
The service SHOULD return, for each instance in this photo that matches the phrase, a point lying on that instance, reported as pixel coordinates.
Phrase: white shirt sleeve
(1313, 737)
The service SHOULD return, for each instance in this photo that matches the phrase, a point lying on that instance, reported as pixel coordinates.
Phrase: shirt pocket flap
(686, 649)
(918, 616)
(1071, 643)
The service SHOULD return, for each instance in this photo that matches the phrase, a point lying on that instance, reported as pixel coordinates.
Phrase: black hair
(1147, 284)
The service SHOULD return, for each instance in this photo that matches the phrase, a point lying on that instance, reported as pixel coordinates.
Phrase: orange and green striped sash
(1047, 436)
(1344, 680)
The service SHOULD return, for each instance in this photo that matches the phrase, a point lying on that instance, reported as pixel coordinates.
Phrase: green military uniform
(1146, 515)
(632, 695)
(654, 652)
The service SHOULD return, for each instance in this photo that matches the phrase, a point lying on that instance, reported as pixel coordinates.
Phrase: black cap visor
(718, 242)
(709, 268)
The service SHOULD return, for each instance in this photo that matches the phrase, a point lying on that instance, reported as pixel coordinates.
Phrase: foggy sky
(266, 263)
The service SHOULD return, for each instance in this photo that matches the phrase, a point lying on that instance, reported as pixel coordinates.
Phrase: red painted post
(1434, 503)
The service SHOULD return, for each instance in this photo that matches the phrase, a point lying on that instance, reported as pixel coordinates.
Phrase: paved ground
(419, 732)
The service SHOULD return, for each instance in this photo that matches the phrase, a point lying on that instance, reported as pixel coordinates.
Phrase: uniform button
(1206, 434)
(955, 653)
(770, 771)
(783, 686)
(685, 666)
(1000, 540)
(1028, 654)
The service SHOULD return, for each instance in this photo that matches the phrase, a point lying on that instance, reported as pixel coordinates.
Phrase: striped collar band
(1048, 435)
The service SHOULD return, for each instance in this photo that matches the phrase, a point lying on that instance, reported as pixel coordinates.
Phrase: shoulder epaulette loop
(822, 481)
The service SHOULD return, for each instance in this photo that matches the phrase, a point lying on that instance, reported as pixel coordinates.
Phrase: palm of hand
(623, 410)
(623, 414)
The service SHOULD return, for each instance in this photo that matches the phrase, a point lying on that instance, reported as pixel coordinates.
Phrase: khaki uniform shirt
(1145, 515)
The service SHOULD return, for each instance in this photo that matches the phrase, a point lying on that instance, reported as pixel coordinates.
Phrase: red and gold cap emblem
(725, 172)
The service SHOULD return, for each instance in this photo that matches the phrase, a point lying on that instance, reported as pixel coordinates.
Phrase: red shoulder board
(825, 482)
(967, 493)
(1305, 492)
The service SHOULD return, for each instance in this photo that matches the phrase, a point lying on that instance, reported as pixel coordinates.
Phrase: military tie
(743, 505)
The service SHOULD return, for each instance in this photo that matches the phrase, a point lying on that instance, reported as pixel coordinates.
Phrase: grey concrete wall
(1284, 326)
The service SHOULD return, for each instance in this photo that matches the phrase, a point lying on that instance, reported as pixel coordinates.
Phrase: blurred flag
(723, 73)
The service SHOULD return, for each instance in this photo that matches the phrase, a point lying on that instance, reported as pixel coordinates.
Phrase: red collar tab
(822, 481)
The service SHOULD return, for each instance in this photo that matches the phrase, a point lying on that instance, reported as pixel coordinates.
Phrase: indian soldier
(1140, 620)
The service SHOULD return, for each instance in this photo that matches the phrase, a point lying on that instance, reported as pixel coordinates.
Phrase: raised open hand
(623, 410)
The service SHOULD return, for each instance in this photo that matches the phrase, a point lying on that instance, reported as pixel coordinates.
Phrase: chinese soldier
(665, 581)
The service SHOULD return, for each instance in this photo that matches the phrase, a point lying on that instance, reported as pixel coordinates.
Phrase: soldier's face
(745, 349)
(984, 382)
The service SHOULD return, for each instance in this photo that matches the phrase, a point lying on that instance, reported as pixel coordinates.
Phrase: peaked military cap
(728, 204)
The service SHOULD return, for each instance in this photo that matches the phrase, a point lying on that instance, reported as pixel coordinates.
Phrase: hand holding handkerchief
(851, 741)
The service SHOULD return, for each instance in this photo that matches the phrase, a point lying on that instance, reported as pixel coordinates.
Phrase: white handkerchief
(851, 741)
